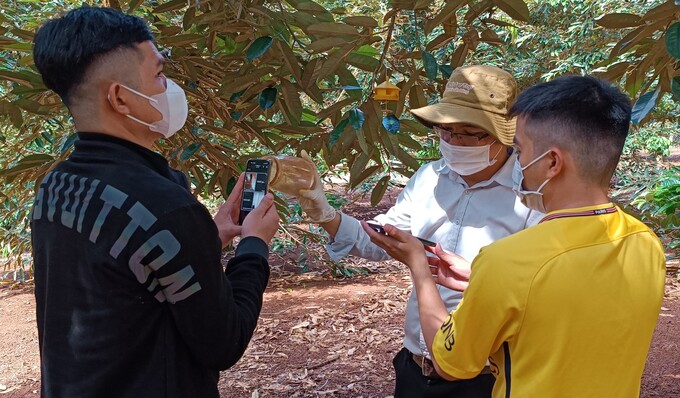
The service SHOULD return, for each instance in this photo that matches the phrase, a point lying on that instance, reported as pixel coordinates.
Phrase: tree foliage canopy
(267, 76)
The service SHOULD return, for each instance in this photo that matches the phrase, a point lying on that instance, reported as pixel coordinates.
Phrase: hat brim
(501, 127)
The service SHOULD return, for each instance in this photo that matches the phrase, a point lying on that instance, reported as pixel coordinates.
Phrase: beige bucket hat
(479, 95)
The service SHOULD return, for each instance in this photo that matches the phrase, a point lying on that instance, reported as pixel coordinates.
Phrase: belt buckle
(426, 366)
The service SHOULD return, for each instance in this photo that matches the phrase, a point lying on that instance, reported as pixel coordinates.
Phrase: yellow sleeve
(488, 315)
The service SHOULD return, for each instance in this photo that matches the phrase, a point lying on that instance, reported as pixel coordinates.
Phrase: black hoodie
(132, 300)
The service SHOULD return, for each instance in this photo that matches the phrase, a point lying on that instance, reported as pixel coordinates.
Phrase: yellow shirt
(566, 308)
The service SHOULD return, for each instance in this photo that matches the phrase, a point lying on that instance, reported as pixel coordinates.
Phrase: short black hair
(582, 114)
(66, 46)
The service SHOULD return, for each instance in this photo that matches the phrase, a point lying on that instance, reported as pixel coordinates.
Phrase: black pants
(412, 384)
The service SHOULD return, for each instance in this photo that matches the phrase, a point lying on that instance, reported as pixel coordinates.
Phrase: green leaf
(290, 60)
(417, 97)
(367, 50)
(495, 22)
(308, 116)
(363, 175)
(439, 41)
(16, 117)
(170, 6)
(23, 47)
(190, 151)
(414, 127)
(349, 83)
(133, 4)
(430, 64)
(675, 87)
(391, 124)
(356, 118)
(362, 62)
(28, 162)
(517, 9)
(446, 13)
(310, 7)
(408, 160)
(226, 45)
(361, 21)
(31, 106)
(258, 48)
(332, 29)
(619, 20)
(13, 112)
(180, 40)
(357, 165)
(644, 105)
(267, 97)
(673, 40)
(337, 131)
(24, 77)
(302, 19)
(37, 158)
(188, 19)
(379, 190)
(325, 44)
(292, 101)
(334, 61)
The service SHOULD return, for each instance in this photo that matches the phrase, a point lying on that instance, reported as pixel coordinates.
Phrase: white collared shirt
(438, 205)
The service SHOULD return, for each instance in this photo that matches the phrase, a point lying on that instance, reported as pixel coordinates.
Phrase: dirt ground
(319, 336)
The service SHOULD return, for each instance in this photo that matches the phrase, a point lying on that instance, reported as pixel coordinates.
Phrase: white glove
(313, 201)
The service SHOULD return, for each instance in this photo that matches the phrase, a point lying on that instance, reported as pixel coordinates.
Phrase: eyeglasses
(460, 138)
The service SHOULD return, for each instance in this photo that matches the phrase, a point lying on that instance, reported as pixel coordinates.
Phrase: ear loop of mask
(492, 161)
(537, 191)
(143, 96)
(537, 159)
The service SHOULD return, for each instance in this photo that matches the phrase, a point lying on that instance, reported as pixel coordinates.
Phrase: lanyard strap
(586, 213)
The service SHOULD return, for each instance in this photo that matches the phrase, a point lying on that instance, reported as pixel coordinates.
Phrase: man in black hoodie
(132, 299)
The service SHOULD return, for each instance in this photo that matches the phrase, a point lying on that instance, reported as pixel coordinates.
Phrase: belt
(428, 370)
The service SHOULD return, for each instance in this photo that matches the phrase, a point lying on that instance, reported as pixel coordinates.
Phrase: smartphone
(379, 229)
(254, 186)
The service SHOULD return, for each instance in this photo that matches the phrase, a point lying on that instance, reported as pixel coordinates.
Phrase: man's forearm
(432, 311)
(332, 226)
(431, 307)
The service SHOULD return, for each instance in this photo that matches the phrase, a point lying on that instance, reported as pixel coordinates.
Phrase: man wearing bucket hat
(463, 201)
(566, 308)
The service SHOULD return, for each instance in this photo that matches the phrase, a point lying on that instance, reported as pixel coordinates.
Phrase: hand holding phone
(263, 221)
(226, 218)
(379, 229)
(255, 186)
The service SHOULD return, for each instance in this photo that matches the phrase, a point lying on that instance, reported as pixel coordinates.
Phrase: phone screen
(255, 185)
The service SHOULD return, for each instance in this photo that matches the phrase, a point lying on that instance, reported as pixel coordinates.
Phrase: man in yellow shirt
(566, 308)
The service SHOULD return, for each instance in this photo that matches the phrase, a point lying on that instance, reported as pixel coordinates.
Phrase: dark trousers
(411, 383)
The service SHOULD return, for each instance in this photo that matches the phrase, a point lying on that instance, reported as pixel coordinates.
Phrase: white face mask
(172, 104)
(466, 160)
(531, 199)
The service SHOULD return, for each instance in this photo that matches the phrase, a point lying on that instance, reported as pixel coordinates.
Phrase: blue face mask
(531, 199)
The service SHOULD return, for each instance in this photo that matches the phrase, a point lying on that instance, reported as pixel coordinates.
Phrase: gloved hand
(313, 201)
